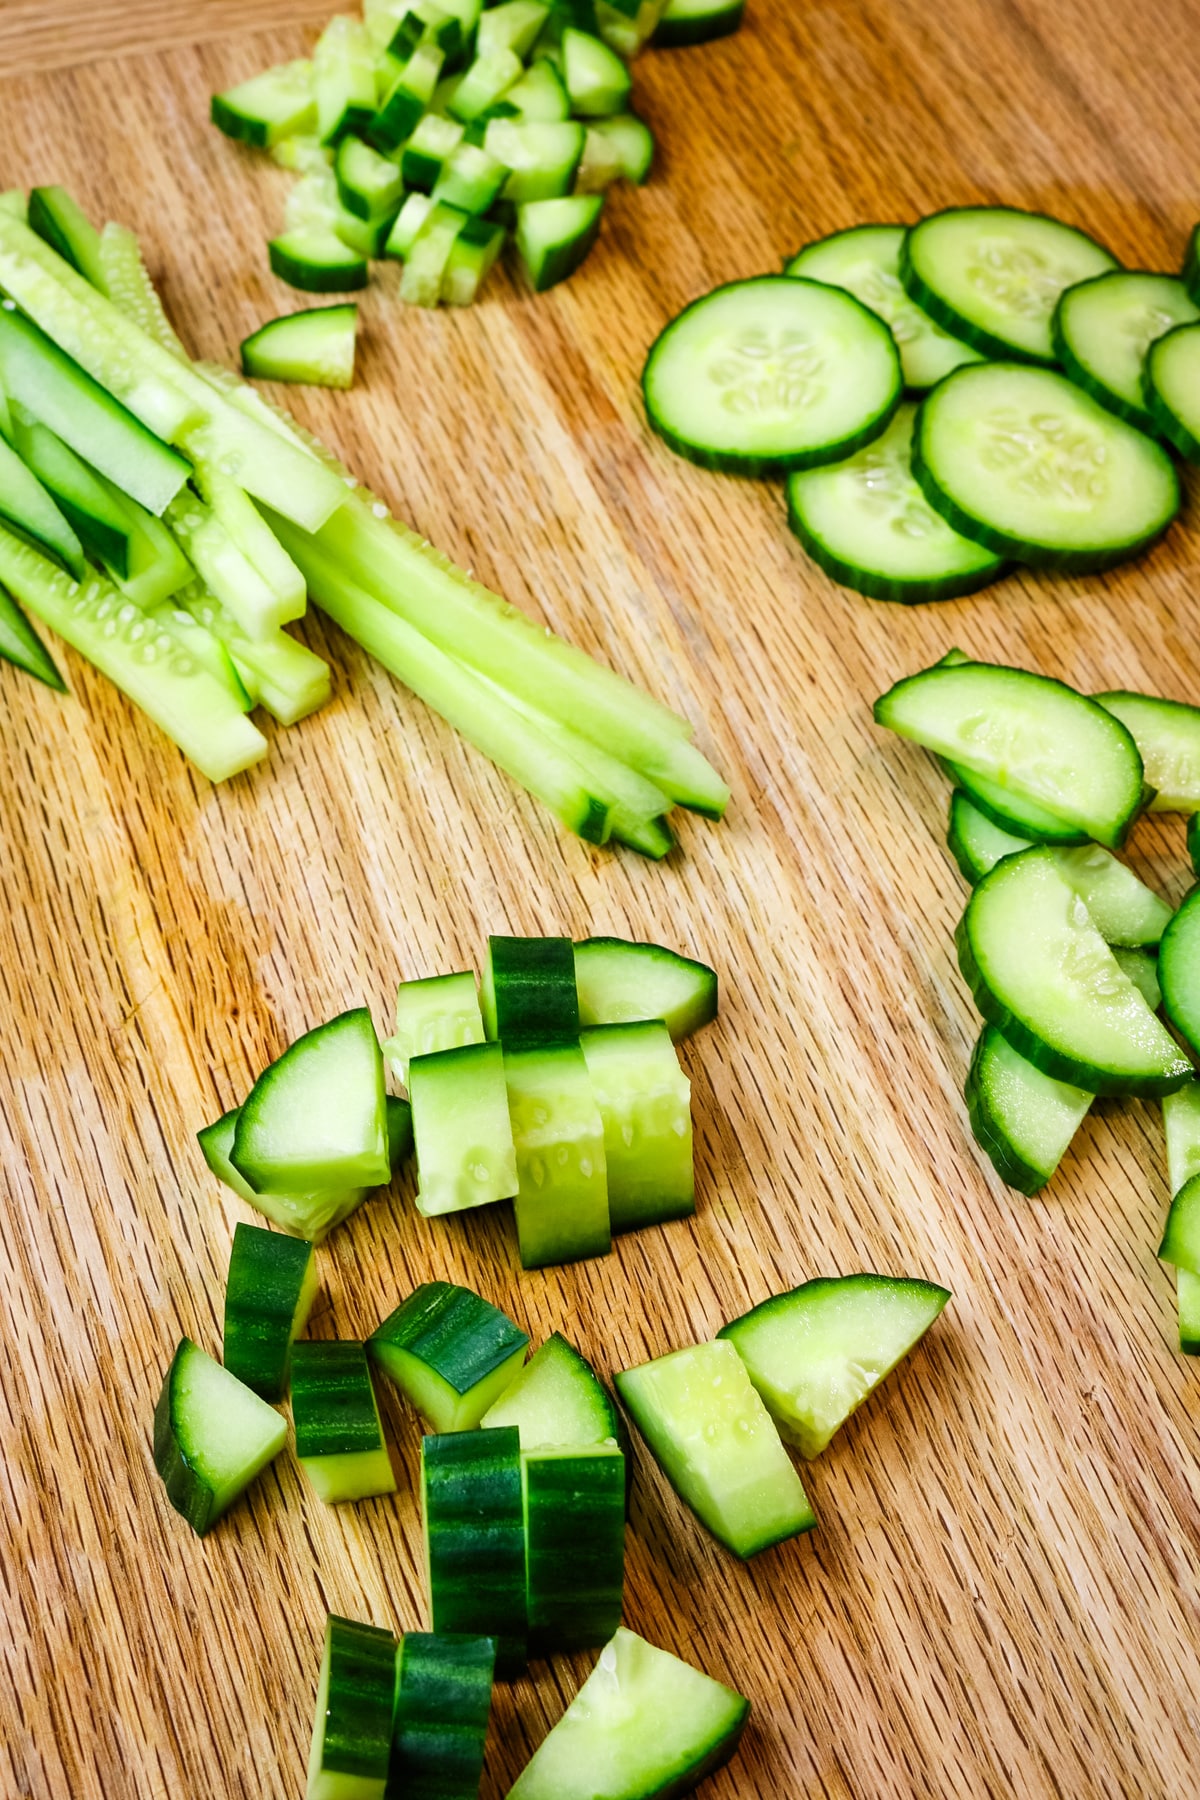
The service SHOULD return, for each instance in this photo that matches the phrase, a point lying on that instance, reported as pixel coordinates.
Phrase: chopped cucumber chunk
(527, 995)
(339, 1438)
(269, 1293)
(443, 1697)
(541, 157)
(644, 1099)
(316, 1117)
(450, 1352)
(312, 1215)
(557, 1399)
(554, 236)
(574, 1545)
(343, 78)
(597, 79)
(317, 262)
(1025, 1120)
(1167, 734)
(471, 1505)
(620, 983)
(440, 1012)
(464, 1140)
(277, 104)
(561, 1205)
(315, 347)
(352, 1726)
(212, 1436)
(515, 25)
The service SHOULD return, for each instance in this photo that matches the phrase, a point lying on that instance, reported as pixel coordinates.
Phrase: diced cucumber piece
(1179, 970)
(424, 22)
(714, 1440)
(464, 1141)
(554, 236)
(425, 155)
(475, 249)
(317, 262)
(1172, 389)
(596, 79)
(316, 1118)
(1181, 1239)
(621, 983)
(279, 103)
(440, 1012)
(212, 1436)
(450, 1352)
(542, 157)
(1025, 1120)
(557, 1399)
(1042, 974)
(471, 179)
(99, 521)
(1028, 465)
(527, 996)
(316, 347)
(1034, 735)
(21, 645)
(312, 1215)
(574, 1546)
(1167, 734)
(443, 1698)
(25, 503)
(369, 185)
(992, 275)
(561, 1205)
(540, 94)
(1187, 1289)
(425, 266)
(352, 1726)
(129, 287)
(55, 216)
(1103, 330)
(643, 1724)
(688, 22)
(486, 81)
(515, 25)
(343, 78)
(269, 1293)
(1141, 966)
(339, 1438)
(631, 142)
(627, 25)
(115, 636)
(869, 526)
(474, 1524)
(644, 1099)
(600, 164)
(408, 226)
(407, 99)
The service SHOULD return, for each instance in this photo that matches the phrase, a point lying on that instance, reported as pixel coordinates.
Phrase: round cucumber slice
(1179, 969)
(772, 374)
(1173, 389)
(1103, 328)
(992, 275)
(865, 260)
(871, 528)
(1028, 465)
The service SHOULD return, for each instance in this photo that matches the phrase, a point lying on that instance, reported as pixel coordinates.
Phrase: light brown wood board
(1002, 1595)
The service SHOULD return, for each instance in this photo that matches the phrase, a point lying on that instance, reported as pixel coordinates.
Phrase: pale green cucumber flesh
(316, 1117)
(644, 1099)
(212, 1436)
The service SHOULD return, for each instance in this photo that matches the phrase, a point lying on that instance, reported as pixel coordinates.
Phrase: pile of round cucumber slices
(985, 387)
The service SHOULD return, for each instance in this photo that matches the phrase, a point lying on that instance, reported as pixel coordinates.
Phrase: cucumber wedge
(1023, 1119)
(1179, 970)
(450, 1352)
(619, 983)
(316, 347)
(269, 107)
(1172, 389)
(557, 1399)
(1167, 734)
(312, 1216)
(212, 1436)
(316, 1118)
(269, 1293)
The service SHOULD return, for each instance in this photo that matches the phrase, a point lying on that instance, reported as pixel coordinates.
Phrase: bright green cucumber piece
(21, 645)
(574, 1546)
(100, 522)
(316, 1117)
(440, 1012)
(450, 1352)
(269, 107)
(464, 1140)
(1179, 970)
(596, 78)
(474, 1522)
(644, 1099)
(620, 983)
(212, 1436)
(25, 504)
(317, 262)
(1181, 1239)
(443, 1698)
(644, 1726)
(561, 1205)
(1103, 330)
(1172, 389)
(58, 218)
(316, 347)
(1025, 1120)
(687, 22)
(343, 79)
(555, 236)
(1181, 1120)
(1141, 966)
(369, 185)
(339, 1437)
(1167, 734)
(269, 1292)
(312, 1216)
(557, 1400)
(352, 1725)
(527, 995)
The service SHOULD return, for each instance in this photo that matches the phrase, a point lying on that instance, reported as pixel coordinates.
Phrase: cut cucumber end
(212, 1436)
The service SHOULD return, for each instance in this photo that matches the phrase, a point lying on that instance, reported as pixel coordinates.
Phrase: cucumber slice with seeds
(561, 1205)
(992, 275)
(557, 1399)
(471, 1508)
(21, 645)
(772, 374)
(443, 1698)
(621, 983)
(1025, 1120)
(278, 104)
(450, 1352)
(339, 1437)
(316, 347)
(352, 1725)
(316, 1117)
(1167, 734)
(644, 1099)
(1179, 970)
(1103, 330)
(269, 1293)
(212, 1436)
(1172, 389)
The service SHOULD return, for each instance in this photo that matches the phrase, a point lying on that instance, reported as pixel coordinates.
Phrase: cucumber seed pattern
(888, 491)
(762, 371)
(1018, 279)
(1020, 750)
(1046, 456)
(884, 293)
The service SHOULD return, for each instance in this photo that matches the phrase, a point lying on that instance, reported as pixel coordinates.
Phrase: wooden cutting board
(1002, 1595)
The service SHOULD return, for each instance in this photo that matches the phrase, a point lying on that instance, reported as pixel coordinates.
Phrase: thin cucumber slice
(25, 503)
(574, 1546)
(1025, 1120)
(484, 85)
(975, 841)
(316, 347)
(1028, 465)
(406, 100)
(55, 216)
(1141, 966)
(553, 237)
(992, 275)
(409, 222)
(269, 1293)
(1181, 1239)
(212, 1436)
(317, 262)
(1013, 812)
(870, 527)
(816, 1353)
(596, 78)
(1179, 970)
(557, 1399)
(687, 22)
(1103, 330)
(99, 520)
(443, 1698)
(772, 374)
(621, 983)
(1172, 389)
(1033, 735)
(316, 1118)
(644, 1099)
(541, 159)
(715, 1441)
(1167, 734)
(865, 260)
(471, 1507)
(561, 1205)
(339, 1438)
(130, 288)
(1181, 1120)
(369, 185)
(21, 645)
(425, 265)
(352, 1725)
(343, 79)
(527, 995)
(450, 1352)
(1042, 974)
(440, 1012)
(277, 104)
(312, 1216)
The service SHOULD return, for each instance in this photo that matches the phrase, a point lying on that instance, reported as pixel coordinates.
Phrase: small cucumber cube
(425, 265)
(278, 104)
(316, 1117)
(474, 1522)
(410, 222)
(557, 1399)
(596, 78)
(352, 1725)
(516, 25)
(464, 1140)
(450, 1352)
(554, 236)
(343, 78)
(487, 80)
(540, 94)
(542, 157)
(562, 1199)
(644, 1099)
(339, 1438)
(212, 1436)
(471, 179)
(439, 1012)
(315, 347)
(443, 1698)
(426, 151)
(406, 100)
(476, 248)
(317, 262)
(619, 982)
(574, 1546)
(369, 185)
(527, 995)
(269, 1293)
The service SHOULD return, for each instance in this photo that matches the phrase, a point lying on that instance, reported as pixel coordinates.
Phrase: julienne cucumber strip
(21, 645)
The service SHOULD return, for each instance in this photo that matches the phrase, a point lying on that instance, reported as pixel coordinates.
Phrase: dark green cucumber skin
(1176, 949)
(266, 1275)
(968, 868)
(362, 1685)
(682, 34)
(399, 1132)
(1068, 838)
(1193, 841)
(1011, 1168)
(40, 218)
(1034, 556)
(1140, 417)
(333, 1402)
(537, 1005)
(471, 1484)
(443, 1698)
(21, 645)
(875, 586)
(432, 1324)
(575, 1550)
(241, 130)
(190, 1498)
(343, 279)
(1165, 422)
(561, 262)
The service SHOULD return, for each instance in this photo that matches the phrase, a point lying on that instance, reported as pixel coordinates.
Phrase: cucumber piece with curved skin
(1181, 1118)
(527, 995)
(277, 104)
(450, 1352)
(1028, 465)
(574, 1502)
(644, 1099)
(540, 94)
(714, 1439)
(557, 1399)
(1042, 974)
(212, 1436)
(55, 216)
(816, 1353)
(515, 25)
(339, 1437)
(369, 185)
(1103, 330)
(596, 78)
(315, 347)
(772, 374)
(484, 85)
(21, 645)
(1025, 1120)
(1167, 734)
(975, 841)
(438, 1012)
(1179, 970)
(318, 262)
(992, 275)
(541, 157)
(632, 143)
(316, 1117)
(1181, 1239)
(474, 1524)
(472, 255)
(561, 1205)
(352, 1724)
(443, 1698)
(554, 236)
(865, 260)
(1015, 812)
(309, 1215)
(687, 22)
(25, 503)
(1172, 389)
(644, 1724)
(464, 1141)
(622, 983)
(269, 1292)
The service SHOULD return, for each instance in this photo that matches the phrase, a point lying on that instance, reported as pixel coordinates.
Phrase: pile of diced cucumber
(1069, 956)
(437, 132)
(985, 387)
(168, 523)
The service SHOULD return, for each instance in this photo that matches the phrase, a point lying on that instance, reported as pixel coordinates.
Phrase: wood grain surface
(1002, 1595)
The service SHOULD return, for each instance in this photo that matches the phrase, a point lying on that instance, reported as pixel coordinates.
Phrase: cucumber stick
(352, 1726)
(439, 1012)
(268, 1296)
(21, 645)
(443, 1698)
(473, 1513)
(129, 287)
(25, 504)
(450, 1352)
(557, 1400)
(100, 521)
(212, 1436)
(339, 1438)
(55, 216)
(316, 1117)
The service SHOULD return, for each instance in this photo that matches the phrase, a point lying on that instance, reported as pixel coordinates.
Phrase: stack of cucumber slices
(437, 132)
(168, 523)
(985, 387)
(1069, 956)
